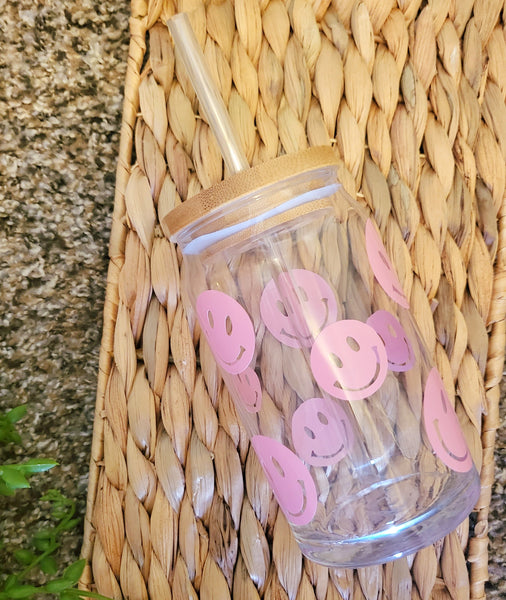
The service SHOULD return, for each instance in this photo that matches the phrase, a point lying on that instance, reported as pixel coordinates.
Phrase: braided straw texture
(411, 96)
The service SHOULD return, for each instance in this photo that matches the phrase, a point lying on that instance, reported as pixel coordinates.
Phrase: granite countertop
(62, 73)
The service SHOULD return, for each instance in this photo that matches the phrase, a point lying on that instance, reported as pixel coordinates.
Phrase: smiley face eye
(210, 319)
(385, 260)
(322, 418)
(392, 331)
(310, 433)
(353, 344)
(278, 467)
(444, 403)
(337, 361)
(303, 294)
(228, 325)
(282, 308)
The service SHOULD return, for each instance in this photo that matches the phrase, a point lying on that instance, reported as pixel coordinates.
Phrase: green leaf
(62, 507)
(22, 591)
(16, 414)
(53, 495)
(57, 585)
(66, 595)
(43, 534)
(13, 477)
(74, 571)
(8, 433)
(10, 582)
(25, 557)
(48, 565)
(37, 465)
(59, 513)
(43, 544)
(71, 524)
(5, 490)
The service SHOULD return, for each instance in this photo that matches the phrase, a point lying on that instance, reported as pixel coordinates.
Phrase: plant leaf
(48, 565)
(10, 582)
(74, 571)
(16, 414)
(8, 433)
(71, 524)
(25, 557)
(43, 534)
(13, 477)
(5, 490)
(22, 591)
(53, 495)
(61, 506)
(37, 465)
(57, 585)
(42, 540)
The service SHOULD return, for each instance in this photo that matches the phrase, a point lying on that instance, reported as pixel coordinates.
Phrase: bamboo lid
(247, 182)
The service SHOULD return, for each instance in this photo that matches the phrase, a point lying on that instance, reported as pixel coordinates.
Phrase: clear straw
(207, 92)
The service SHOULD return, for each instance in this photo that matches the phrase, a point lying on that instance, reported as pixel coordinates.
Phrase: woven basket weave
(411, 95)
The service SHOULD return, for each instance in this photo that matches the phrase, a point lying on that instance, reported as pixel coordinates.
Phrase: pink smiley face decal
(382, 267)
(289, 478)
(397, 345)
(228, 330)
(349, 360)
(443, 427)
(296, 306)
(246, 388)
(321, 432)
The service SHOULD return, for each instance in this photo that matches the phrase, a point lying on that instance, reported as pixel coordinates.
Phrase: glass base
(394, 539)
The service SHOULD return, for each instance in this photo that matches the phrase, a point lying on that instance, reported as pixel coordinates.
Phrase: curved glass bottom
(392, 539)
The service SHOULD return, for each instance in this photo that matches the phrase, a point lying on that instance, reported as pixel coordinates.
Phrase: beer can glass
(312, 333)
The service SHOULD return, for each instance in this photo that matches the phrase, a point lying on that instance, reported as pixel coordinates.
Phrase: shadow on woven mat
(411, 97)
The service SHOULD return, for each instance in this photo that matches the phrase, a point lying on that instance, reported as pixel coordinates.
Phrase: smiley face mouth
(304, 500)
(388, 265)
(459, 458)
(409, 360)
(399, 292)
(304, 496)
(394, 364)
(306, 338)
(347, 435)
(408, 363)
(309, 337)
(340, 386)
(242, 350)
(255, 402)
(328, 456)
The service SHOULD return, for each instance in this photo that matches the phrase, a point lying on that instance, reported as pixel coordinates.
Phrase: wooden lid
(247, 182)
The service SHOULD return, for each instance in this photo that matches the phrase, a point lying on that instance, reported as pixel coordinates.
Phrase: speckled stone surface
(62, 69)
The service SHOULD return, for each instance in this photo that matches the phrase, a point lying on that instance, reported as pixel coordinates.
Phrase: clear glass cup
(313, 336)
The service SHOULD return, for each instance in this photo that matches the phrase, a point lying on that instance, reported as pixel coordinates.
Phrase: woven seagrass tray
(411, 96)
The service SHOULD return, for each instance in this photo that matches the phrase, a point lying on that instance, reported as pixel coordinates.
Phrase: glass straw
(207, 92)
